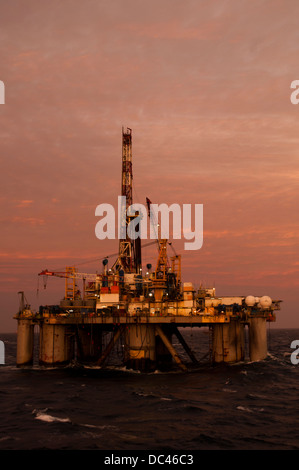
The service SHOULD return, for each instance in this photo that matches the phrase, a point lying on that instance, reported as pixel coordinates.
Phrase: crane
(164, 275)
(71, 275)
(70, 272)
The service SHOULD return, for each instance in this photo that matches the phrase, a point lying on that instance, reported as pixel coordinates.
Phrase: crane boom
(73, 274)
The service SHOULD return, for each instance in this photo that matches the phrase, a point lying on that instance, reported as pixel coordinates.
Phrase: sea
(242, 406)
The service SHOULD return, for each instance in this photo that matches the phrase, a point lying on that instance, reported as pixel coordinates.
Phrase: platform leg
(25, 341)
(55, 345)
(140, 347)
(257, 339)
(228, 342)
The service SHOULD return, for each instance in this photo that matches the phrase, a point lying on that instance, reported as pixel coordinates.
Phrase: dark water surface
(241, 406)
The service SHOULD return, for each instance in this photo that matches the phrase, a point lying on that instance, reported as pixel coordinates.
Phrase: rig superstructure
(143, 311)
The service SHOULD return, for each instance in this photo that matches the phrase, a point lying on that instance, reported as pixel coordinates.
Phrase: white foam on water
(42, 415)
(248, 410)
(5, 438)
(243, 408)
(101, 427)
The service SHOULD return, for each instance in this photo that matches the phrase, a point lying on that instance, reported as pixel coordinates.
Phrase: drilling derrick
(129, 249)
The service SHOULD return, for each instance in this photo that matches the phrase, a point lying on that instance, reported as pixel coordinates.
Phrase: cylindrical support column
(228, 342)
(140, 350)
(257, 339)
(55, 345)
(25, 341)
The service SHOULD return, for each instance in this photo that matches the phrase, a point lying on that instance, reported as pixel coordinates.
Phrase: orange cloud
(24, 203)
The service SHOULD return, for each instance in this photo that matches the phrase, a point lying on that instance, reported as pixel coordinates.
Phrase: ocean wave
(244, 408)
(258, 396)
(249, 410)
(102, 427)
(144, 395)
(42, 415)
(151, 395)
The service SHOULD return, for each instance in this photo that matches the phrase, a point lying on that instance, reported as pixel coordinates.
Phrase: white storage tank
(250, 300)
(265, 301)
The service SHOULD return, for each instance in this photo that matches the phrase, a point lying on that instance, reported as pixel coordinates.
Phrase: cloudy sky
(205, 87)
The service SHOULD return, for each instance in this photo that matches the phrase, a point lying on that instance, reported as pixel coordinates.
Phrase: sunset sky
(205, 87)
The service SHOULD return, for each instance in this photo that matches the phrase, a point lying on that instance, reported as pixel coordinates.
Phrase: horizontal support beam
(179, 320)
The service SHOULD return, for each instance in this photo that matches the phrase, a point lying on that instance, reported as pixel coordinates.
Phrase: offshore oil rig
(142, 311)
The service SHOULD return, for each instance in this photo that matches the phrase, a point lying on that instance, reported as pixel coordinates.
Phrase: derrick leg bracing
(185, 345)
(163, 356)
(89, 343)
(170, 348)
(115, 337)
